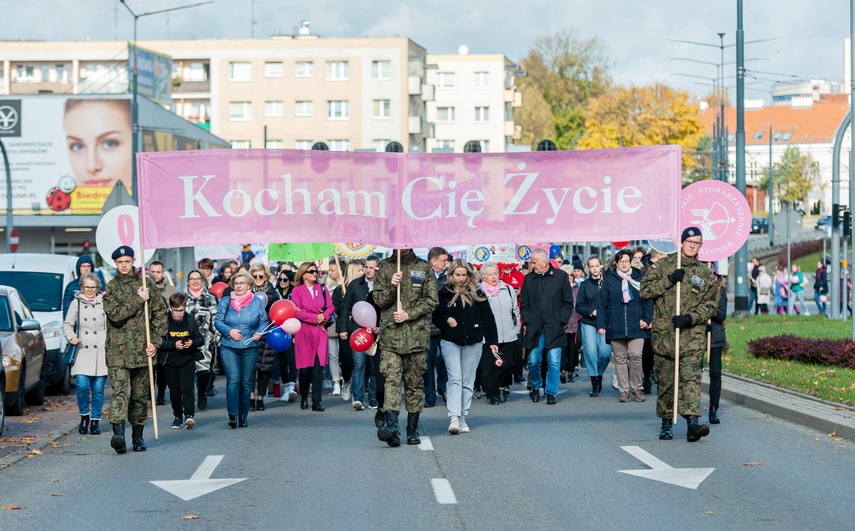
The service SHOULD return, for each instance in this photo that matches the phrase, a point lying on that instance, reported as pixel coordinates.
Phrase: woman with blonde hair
(333, 282)
(314, 308)
(345, 353)
(465, 320)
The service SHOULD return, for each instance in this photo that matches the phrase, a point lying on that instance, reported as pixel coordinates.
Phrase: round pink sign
(722, 214)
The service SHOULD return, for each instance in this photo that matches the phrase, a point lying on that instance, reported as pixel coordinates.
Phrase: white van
(41, 279)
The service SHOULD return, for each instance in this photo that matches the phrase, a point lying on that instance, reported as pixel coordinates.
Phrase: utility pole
(741, 259)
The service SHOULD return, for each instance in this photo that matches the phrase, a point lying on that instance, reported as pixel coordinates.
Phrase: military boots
(696, 431)
(117, 441)
(389, 433)
(137, 439)
(413, 429)
(379, 418)
(665, 431)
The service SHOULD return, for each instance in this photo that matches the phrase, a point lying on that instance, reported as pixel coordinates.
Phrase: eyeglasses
(694, 243)
(624, 261)
(284, 280)
(194, 279)
(89, 287)
(241, 283)
(312, 272)
(177, 310)
(259, 277)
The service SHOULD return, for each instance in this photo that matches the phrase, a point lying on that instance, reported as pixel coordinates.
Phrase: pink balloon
(292, 326)
(364, 314)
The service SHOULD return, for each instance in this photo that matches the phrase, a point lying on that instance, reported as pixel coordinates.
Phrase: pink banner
(407, 200)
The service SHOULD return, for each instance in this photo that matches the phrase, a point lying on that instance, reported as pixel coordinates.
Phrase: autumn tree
(794, 176)
(648, 115)
(535, 116)
(566, 72)
(702, 157)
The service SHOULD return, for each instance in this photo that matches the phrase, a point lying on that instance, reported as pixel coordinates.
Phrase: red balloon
(361, 340)
(281, 311)
(620, 245)
(555, 263)
(218, 288)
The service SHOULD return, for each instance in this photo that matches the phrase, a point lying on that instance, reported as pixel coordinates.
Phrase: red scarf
(241, 302)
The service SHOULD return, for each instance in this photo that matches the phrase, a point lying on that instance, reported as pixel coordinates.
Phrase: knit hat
(124, 250)
(689, 232)
(577, 264)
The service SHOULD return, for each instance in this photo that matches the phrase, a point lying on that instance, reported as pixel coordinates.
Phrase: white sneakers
(454, 426)
(345, 391)
(336, 389)
(357, 405)
(288, 392)
(464, 428)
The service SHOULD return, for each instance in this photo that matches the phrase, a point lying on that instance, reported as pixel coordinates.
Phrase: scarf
(491, 291)
(195, 294)
(83, 297)
(241, 302)
(625, 282)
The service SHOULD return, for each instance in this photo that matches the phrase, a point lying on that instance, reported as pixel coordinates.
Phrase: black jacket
(546, 303)
(357, 291)
(474, 323)
(619, 319)
(719, 339)
(441, 281)
(586, 299)
(186, 328)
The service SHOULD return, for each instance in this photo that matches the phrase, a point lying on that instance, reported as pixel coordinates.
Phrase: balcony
(427, 92)
(47, 87)
(181, 87)
(414, 85)
(513, 97)
(416, 125)
(513, 130)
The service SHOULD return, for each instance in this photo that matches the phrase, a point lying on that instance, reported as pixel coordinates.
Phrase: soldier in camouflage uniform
(699, 296)
(126, 347)
(404, 338)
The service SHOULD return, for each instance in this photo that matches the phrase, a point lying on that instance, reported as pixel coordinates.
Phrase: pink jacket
(312, 337)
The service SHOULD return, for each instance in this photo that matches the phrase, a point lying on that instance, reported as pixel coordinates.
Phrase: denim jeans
(93, 385)
(821, 306)
(357, 378)
(435, 375)
(239, 364)
(798, 296)
(461, 363)
(553, 359)
(752, 299)
(597, 352)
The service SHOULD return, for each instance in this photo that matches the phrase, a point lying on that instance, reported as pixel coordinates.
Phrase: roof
(794, 125)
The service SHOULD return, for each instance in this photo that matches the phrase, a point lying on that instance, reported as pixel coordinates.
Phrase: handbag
(70, 354)
(334, 317)
(513, 313)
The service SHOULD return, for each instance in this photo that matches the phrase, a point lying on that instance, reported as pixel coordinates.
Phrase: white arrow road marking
(442, 491)
(199, 483)
(426, 444)
(689, 478)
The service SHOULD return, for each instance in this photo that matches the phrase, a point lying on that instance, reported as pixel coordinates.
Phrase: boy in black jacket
(180, 350)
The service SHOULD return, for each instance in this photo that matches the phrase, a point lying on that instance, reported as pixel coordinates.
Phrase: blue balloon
(554, 251)
(278, 339)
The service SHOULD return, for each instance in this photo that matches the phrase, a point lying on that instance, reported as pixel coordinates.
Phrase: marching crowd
(443, 329)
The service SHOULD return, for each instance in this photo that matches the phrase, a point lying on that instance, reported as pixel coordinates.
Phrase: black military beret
(122, 251)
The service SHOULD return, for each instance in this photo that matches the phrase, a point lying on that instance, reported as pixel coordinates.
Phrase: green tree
(793, 177)
(535, 115)
(702, 157)
(567, 72)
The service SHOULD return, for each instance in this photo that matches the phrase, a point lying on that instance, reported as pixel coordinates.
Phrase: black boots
(665, 431)
(117, 441)
(84, 425)
(317, 406)
(379, 418)
(242, 422)
(232, 421)
(389, 433)
(599, 384)
(714, 415)
(94, 428)
(647, 383)
(695, 430)
(596, 386)
(136, 438)
(413, 429)
(259, 404)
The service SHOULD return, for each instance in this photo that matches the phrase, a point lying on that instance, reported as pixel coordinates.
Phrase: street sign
(14, 240)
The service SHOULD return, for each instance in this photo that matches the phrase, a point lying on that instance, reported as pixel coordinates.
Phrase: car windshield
(42, 291)
(5, 321)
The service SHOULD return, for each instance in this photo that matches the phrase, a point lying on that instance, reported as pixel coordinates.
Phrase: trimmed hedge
(797, 250)
(837, 352)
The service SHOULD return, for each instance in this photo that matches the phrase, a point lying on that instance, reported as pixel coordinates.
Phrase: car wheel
(63, 386)
(36, 395)
(16, 405)
(2, 406)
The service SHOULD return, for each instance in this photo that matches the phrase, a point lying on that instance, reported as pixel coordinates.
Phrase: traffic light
(473, 146)
(835, 215)
(394, 147)
(847, 224)
(546, 145)
(85, 246)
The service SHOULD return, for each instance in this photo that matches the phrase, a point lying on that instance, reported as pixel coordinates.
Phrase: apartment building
(475, 100)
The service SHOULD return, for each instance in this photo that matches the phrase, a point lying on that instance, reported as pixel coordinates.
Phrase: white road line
(442, 491)
(426, 444)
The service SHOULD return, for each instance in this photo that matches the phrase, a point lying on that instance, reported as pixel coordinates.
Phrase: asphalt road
(522, 465)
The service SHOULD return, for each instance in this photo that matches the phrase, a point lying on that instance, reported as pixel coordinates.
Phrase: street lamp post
(135, 124)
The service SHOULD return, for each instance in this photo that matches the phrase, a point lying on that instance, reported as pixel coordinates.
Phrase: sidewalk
(787, 405)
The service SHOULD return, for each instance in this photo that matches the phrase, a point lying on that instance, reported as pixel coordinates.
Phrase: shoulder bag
(70, 354)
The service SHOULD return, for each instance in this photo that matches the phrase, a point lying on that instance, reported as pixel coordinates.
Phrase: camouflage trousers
(689, 399)
(409, 368)
(135, 406)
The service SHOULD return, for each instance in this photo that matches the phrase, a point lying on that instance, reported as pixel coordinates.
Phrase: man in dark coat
(546, 302)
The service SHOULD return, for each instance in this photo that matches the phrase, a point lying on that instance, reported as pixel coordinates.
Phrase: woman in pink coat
(314, 309)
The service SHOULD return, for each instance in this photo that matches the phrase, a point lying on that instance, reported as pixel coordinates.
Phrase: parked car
(2, 398)
(823, 223)
(41, 280)
(23, 347)
(759, 225)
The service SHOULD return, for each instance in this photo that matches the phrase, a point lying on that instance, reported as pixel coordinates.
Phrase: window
(485, 146)
(61, 74)
(275, 144)
(445, 79)
(305, 69)
(339, 145)
(304, 108)
(274, 108)
(731, 137)
(197, 72)
(381, 70)
(445, 144)
(241, 144)
(482, 114)
(482, 79)
(380, 144)
(445, 114)
(45, 70)
(274, 70)
(382, 109)
(338, 70)
(26, 72)
(759, 134)
(776, 137)
(338, 110)
(240, 111)
(788, 135)
(303, 144)
(240, 71)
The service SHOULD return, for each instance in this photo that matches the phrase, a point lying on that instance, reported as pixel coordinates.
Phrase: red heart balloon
(361, 340)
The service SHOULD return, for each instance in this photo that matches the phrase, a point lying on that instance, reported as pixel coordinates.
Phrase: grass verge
(835, 384)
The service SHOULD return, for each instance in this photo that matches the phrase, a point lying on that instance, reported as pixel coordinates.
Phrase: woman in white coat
(85, 325)
(764, 290)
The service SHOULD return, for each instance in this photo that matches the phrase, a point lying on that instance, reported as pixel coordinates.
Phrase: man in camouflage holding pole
(404, 338)
(699, 297)
(126, 348)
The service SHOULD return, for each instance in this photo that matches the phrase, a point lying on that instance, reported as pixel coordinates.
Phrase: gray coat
(505, 311)
(91, 356)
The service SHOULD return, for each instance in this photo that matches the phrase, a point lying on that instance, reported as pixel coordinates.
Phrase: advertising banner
(408, 200)
(154, 76)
